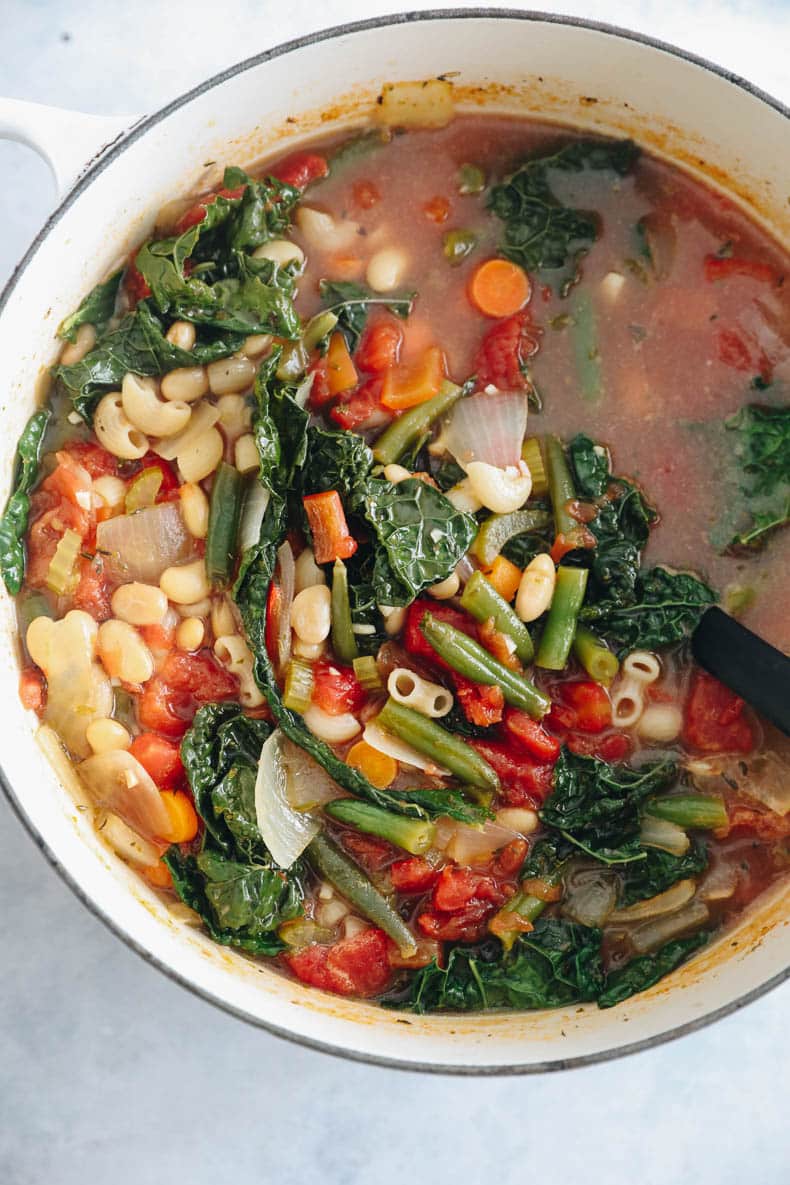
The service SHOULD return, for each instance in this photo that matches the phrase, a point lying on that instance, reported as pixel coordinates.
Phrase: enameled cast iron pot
(563, 70)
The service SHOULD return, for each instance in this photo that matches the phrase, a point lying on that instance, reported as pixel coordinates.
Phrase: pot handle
(67, 140)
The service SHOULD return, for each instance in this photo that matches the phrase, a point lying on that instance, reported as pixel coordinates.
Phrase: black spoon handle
(757, 672)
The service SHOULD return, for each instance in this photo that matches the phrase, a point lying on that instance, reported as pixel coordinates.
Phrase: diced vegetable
(599, 662)
(140, 546)
(367, 673)
(497, 531)
(298, 686)
(504, 578)
(412, 386)
(61, 575)
(457, 245)
(484, 603)
(487, 428)
(404, 432)
(379, 768)
(499, 288)
(413, 835)
(532, 455)
(704, 811)
(328, 527)
(143, 490)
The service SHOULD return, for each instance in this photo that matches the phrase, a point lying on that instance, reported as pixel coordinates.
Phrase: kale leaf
(646, 970)
(761, 447)
(597, 806)
(13, 524)
(590, 466)
(659, 870)
(540, 233)
(351, 303)
(97, 309)
(232, 881)
(557, 964)
(665, 608)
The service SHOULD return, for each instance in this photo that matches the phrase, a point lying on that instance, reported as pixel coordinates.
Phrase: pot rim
(106, 157)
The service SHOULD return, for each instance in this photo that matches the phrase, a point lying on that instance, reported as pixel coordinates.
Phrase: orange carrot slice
(499, 288)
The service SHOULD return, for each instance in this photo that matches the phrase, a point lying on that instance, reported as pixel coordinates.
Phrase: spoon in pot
(757, 672)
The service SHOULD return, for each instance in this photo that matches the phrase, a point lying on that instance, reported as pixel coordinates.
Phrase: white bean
(280, 251)
(642, 666)
(229, 375)
(185, 384)
(202, 456)
(445, 588)
(84, 341)
(182, 334)
(139, 604)
(185, 583)
(105, 734)
(394, 619)
(235, 416)
(323, 232)
(111, 490)
(245, 454)
(307, 571)
(123, 653)
(190, 634)
(500, 490)
(256, 344)
(536, 588)
(386, 269)
(311, 614)
(517, 818)
(660, 722)
(396, 473)
(194, 509)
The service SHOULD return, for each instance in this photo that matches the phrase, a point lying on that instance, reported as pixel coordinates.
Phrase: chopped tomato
(462, 901)
(365, 194)
(575, 538)
(47, 530)
(160, 758)
(587, 704)
(72, 481)
(504, 352)
(362, 408)
(321, 393)
(482, 705)
(497, 644)
(92, 593)
(714, 718)
(197, 213)
(524, 781)
(336, 688)
(168, 701)
(717, 268)
(413, 875)
(356, 966)
(94, 458)
(766, 825)
(509, 859)
(740, 350)
(159, 638)
(467, 926)
(437, 209)
(328, 527)
(372, 853)
(32, 690)
(301, 169)
(615, 746)
(380, 345)
(161, 709)
(532, 735)
(136, 286)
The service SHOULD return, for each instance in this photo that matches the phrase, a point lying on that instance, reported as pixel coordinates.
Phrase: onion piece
(285, 831)
(390, 745)
(652, 935)
(764, 777)
(488, 428)
(470, 845)
(118, 782)
(140, 546)
(126, 843)
(719, 882)
(589, 896)
(309, 785)
(286, 569)
(255, 505)
(660, 833)
(672, 899)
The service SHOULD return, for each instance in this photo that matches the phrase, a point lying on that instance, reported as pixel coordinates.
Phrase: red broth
(684, 334)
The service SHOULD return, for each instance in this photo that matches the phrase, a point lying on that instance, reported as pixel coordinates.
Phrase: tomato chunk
(524, 780)
(336, 688)
(481, 704)
(94, 458)
(413, 875)
(714, 718)
(301, 169)
(92, 593)
(531, 735)
(717, 268)
(372, 853)
(504, 352)
(362, 408)
(380, 345)
(356, 966)
(462, 901)
(582, 705)
(160, 758)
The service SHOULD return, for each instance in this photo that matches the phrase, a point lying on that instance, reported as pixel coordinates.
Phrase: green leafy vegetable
(352, 304)
(590, 465)
(643, 972)
(557, 964)
(666, 608)
(13, 524)
(232, 882)
(541, 234)
(761, 445)
(659, 870)
(597, 806)
(96, 309)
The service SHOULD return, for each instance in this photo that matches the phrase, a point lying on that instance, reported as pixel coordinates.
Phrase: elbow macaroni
(146, 411)
(235, 655)
(116, 431)
(429, 699)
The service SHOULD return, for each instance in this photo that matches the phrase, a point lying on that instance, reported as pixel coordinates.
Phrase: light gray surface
(109, 1072)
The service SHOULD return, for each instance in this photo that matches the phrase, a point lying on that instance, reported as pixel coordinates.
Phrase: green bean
(413, 835)
(227, 497)
(560, 486)
(351, 882)
(560, 628)
(317, 328)
(469, 658)
(599, 663)
(483, 602)
(408, 428)
(344, 643)
(429, 738)
(584, 338)
(499, 529)
(704, 811)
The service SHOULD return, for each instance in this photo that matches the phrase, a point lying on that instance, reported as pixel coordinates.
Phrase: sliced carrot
(326, 518)
(378, 768)
(505, 577)
(340, 370)
(158, 876)
(183, 817)
(499, 288)
(407, 386)
(346, 267)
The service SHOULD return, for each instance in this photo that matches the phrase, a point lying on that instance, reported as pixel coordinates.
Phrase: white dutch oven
(563, 70)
